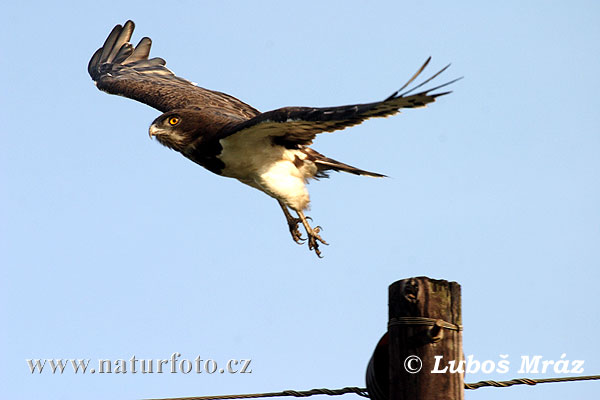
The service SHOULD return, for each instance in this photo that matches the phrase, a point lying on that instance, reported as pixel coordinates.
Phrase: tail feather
(325, 164)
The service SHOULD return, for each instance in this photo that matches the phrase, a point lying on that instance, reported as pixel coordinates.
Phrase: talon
(296, 235)
(313, 236)
(299, 240)
(313, 243)
(292, 225)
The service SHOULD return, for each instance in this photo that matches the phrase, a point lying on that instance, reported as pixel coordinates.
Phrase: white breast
(257, 162)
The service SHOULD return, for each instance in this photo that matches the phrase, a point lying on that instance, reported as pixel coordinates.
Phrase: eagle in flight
(268, 151)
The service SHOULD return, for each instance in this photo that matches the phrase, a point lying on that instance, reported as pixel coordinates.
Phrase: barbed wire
(295, 393)
(363, 391)
(531, 382)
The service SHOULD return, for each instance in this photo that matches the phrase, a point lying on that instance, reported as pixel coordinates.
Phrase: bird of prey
(267, 151)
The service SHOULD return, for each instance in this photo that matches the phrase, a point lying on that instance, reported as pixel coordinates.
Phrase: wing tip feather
(399, 94)
(113, 48)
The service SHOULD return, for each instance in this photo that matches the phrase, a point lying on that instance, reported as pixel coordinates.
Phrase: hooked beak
(153, 131)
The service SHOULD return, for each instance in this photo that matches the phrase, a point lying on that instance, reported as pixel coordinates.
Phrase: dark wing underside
(119, 68)
(298, 126)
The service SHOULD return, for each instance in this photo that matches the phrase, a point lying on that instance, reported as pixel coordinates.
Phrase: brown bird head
(177, 129)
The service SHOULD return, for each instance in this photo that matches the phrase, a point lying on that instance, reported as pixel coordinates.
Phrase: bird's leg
(292, 224)
(313, 234)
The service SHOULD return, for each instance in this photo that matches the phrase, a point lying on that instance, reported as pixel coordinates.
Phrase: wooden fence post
(425, 322)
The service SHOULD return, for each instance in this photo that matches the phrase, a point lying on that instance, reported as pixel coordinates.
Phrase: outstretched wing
(298, 126)
(119, 68)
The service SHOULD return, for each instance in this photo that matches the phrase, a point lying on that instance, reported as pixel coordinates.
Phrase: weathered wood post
(425, 322)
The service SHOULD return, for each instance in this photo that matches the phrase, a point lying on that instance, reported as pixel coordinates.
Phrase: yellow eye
(173, 121)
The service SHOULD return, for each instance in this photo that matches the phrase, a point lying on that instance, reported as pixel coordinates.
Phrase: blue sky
(113, 246)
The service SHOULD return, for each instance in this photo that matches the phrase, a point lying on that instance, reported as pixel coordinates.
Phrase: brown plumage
(268, 151)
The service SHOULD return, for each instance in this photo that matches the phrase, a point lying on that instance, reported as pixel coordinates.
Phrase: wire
(306, 393)
(526, 381)
(363, 391)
